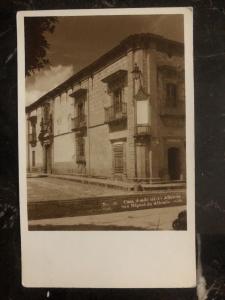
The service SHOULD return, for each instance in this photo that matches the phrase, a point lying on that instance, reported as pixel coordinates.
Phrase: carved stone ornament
(46, 135)
(142, 95)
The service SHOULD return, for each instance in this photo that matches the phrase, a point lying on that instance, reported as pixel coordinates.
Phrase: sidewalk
(148, 219)
(122, 185)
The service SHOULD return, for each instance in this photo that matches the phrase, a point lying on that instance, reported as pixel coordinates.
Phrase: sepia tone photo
(105, 122)
(106, 148)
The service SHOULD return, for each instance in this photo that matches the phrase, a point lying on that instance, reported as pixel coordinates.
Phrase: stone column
(142, 160)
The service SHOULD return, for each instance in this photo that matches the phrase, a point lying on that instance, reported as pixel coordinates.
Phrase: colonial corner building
(121, 117)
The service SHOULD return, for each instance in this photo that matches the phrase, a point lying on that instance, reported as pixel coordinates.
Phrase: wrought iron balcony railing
(143, 130)
(79, 122)
(116, 113)
(81, 160)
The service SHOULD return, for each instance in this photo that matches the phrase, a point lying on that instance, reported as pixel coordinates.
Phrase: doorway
(174, 169)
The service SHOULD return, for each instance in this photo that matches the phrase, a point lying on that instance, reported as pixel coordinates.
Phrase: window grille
(119, 160)
(80, 150)
(117, 100)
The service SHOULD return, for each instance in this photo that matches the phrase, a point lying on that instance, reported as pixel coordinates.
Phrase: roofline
(132, 42)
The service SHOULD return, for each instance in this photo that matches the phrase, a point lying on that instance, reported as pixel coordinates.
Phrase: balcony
(142, 133)
(46, 134)
(143, 130)
(32, 139)
(116, 113)
(79, 122)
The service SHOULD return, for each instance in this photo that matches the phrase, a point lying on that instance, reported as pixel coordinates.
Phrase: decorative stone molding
(46, 134)
(32, 138)
(79, 94)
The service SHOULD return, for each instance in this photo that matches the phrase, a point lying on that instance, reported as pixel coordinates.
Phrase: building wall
(64, 154)
(100, 137)
(37, 149)
(166, 132)
(169, 131)
(63, 142)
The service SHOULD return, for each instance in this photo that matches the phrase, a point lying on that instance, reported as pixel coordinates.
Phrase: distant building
(121, 117)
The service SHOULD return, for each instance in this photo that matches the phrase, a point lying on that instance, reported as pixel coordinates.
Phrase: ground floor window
(80, 149)
(119, 159)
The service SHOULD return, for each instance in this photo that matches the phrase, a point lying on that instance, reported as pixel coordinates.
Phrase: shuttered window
(119, 160)
(80, 150)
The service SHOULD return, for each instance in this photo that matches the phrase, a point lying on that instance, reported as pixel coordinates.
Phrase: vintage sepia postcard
(106, 147)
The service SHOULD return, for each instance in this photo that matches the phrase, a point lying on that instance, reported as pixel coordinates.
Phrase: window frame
(171, 94)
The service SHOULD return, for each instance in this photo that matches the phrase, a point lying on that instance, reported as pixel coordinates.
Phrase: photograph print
(105, 122)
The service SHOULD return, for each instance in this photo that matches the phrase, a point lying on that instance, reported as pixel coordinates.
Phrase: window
(32, 133)
(117, 100)
(81, 109)
(80, 112)
(80, 150)
(46, 111)
(119, 158)
(33, 158)
(171, 94)
(81, 147)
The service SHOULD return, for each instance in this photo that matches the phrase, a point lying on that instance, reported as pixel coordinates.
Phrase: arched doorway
(174, 168)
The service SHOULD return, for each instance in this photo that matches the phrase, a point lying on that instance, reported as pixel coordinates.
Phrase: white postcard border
(109, 259)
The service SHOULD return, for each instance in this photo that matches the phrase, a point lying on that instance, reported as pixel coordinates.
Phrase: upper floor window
(46, 111)
(80, 119)
(171, 94)
(80, 109)
(117, 99)
(32, 134)
(33, 130)
(116, 113)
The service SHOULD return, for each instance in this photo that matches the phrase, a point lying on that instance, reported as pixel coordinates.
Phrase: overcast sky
(78, 41)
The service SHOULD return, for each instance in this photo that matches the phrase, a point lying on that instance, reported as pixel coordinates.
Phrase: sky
(78, 41)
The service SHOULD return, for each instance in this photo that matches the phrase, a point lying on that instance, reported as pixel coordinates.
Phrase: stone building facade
(121, 117)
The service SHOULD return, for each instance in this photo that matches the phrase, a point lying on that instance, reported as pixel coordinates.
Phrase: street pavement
(147, 219)
(47, 188)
